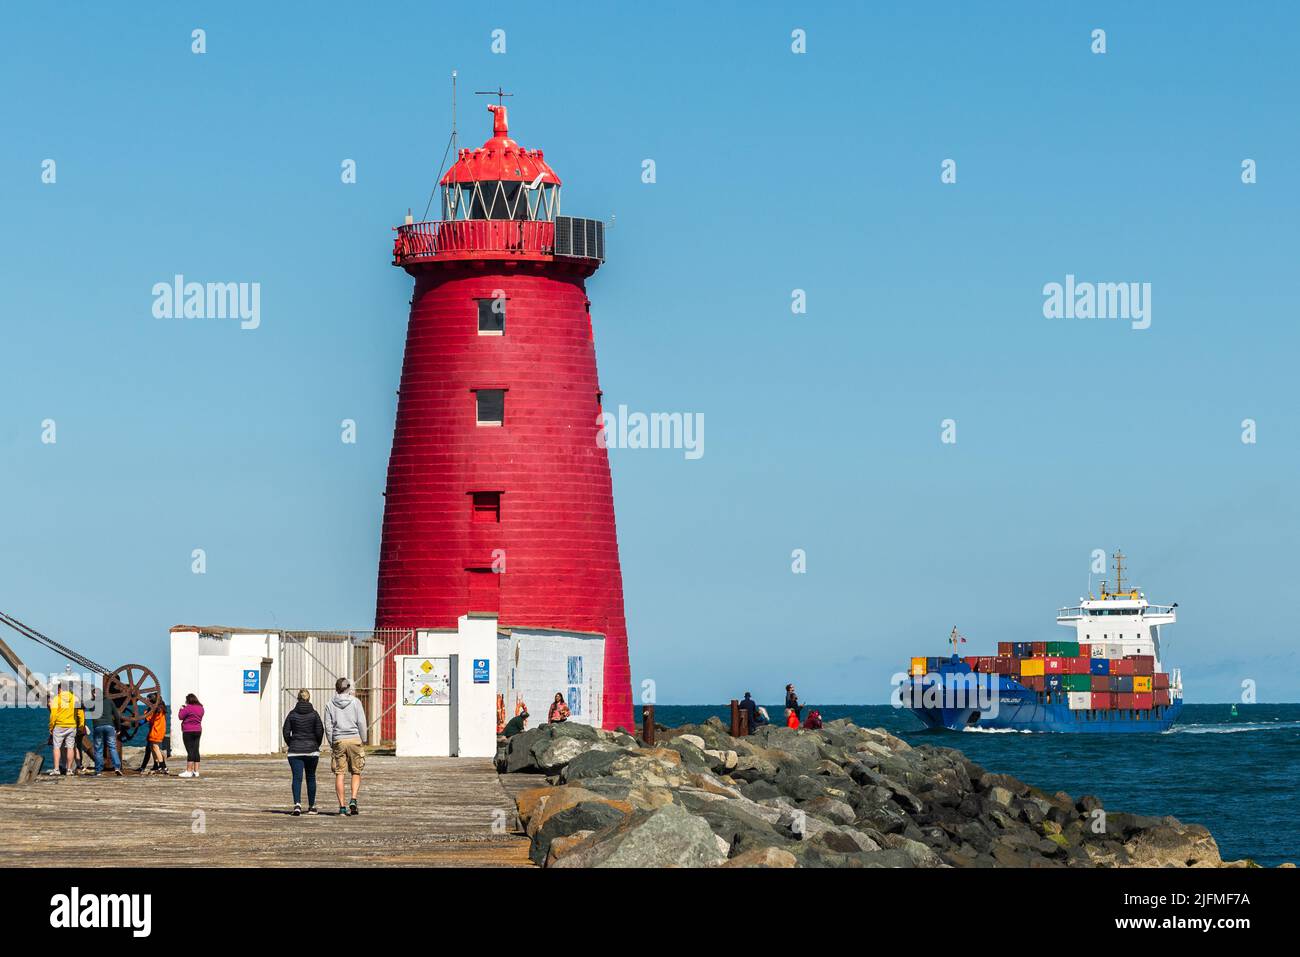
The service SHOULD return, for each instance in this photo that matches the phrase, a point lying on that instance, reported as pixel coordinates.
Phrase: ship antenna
(1119, 571)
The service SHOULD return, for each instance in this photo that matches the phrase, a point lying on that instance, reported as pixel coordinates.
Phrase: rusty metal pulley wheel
(135, 692)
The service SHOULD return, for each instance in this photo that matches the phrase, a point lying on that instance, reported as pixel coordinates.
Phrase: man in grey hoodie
(345, 730)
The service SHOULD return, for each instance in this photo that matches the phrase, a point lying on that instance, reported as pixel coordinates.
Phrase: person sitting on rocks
(515, 724)
(814, 720)
(559, 710)
(761, 717)
(791, 719)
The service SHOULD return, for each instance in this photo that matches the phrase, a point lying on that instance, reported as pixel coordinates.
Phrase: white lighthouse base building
(454, 687)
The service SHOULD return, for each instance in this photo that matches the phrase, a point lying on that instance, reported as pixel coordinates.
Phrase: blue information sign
(252, 680)
(482, 673)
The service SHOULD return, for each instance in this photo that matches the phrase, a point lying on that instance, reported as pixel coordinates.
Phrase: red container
(1100, 683)
(1121, 666)
(973, 662)
(1103, 700)
(1036, 682)
(1004, 649)
(1077, 666)
(1054, 666)
(1002, 665)
(1144, 665)
(1124, 701)
(1144, 700)
(1085, 651)
(1040, 648)
(1160, 698)
(1161, 681)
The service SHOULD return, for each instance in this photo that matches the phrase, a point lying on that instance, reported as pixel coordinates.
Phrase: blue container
(1123, 684)
(1024, 649)
(1099, 666)
(1053, 682)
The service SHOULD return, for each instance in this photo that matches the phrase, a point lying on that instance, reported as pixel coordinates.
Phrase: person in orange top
(791, 719)
(157, 735)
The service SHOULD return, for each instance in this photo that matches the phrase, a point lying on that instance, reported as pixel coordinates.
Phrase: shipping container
(1103, 700)
(1033, 666)
(1161, 681)
(1121, 666)
(1076, 682)
(1098, 649)
(1005, 650)
(1006, 665)
(1124, 701)
(1099, 682)
(918, 667)
(1053, 648)
(1141, 683)
(1078, 665)
(972, 662)
(1054, 682)
(1085, 650)
(1099, 666)
(1144, 665)
(933, 663)
(1080, 700)
(1051, 664)
(1122, 683)
(1034, 682)
(1114, 649)
(1160, 698)
(1038, 648)
(1024, 649)
(1143, 702)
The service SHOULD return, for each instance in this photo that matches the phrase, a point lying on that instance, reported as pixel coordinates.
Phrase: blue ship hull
(956, 699)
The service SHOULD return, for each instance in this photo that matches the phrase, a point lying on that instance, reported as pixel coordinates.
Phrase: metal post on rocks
(736, 716)
(648, 724)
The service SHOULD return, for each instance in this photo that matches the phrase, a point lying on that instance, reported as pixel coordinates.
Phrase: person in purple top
(191, 719)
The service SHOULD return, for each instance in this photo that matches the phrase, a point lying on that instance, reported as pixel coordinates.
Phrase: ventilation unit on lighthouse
(499, 496)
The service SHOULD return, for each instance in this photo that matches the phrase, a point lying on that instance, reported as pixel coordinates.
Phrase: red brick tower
(499, 495)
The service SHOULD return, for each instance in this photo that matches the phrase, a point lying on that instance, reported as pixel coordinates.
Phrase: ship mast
(1119, 572)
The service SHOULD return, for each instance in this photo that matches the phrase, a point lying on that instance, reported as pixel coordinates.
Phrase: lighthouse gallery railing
(567, 236)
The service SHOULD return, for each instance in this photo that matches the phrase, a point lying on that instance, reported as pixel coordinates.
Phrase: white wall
(234, 722)
(467, 726)
(534, 663)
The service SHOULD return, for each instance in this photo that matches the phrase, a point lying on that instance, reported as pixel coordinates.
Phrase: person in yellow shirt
(66, 716)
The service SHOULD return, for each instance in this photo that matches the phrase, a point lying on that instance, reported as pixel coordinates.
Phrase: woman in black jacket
(303, 731)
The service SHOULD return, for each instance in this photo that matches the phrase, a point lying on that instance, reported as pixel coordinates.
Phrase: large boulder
(669, 836)
(591, 815)
(547, 749)
(764, 857)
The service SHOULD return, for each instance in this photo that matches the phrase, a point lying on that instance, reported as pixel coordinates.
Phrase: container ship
(1108, 680)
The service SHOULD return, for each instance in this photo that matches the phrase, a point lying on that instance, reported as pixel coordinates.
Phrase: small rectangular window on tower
(492, 316)
(486, 506)
(490, 406)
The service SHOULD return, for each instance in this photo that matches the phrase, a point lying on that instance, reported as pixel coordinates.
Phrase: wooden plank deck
(426, 812)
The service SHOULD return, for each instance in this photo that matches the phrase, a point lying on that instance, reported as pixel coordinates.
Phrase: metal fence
(315, 660)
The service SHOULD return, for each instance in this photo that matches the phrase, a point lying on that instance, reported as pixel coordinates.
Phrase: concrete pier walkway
(425, 812)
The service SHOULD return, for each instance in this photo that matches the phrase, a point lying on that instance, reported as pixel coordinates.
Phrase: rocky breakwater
(843, 796)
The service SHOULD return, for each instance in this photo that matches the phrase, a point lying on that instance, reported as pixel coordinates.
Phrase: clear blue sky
(775, 171)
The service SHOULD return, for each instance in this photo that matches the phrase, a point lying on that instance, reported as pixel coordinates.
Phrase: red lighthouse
(499, 495)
